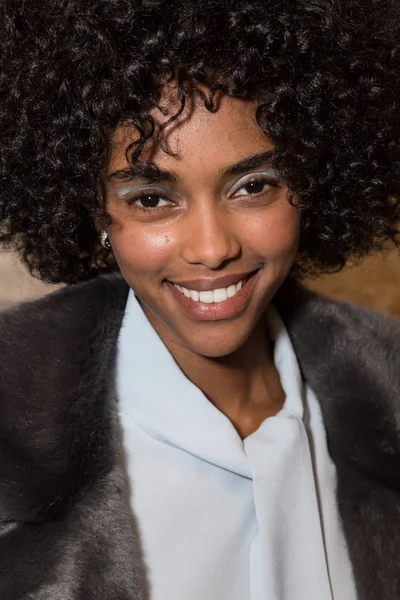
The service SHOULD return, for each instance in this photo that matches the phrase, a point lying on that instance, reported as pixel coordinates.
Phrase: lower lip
(216, 311)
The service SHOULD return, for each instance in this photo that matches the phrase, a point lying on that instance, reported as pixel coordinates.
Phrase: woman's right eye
(149, 202)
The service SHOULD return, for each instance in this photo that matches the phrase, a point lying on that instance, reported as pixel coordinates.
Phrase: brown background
(374, 283)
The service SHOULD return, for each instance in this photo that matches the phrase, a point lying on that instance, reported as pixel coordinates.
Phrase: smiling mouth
(217, 295)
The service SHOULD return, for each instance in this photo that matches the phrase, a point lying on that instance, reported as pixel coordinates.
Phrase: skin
(210, 224)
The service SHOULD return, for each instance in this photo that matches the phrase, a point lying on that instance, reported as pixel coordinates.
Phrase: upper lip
(205, 285)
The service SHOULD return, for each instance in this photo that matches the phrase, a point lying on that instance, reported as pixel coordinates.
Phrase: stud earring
(105, 242)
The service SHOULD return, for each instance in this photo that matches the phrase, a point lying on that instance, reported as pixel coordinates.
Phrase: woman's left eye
(254, 187)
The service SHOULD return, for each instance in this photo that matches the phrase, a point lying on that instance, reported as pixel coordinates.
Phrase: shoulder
(313, 317)
(349, 355)
(69, 298)
(55, 348)
(67, 314)
(350, 358)
(57, 357)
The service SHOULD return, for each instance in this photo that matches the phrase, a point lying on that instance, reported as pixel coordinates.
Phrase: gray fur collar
(65, 527)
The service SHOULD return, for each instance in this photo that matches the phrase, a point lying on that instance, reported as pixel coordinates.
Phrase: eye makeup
(272, 173)
(267, 176)
(128, 190)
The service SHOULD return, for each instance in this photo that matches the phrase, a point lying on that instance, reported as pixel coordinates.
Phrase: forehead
(197, 139)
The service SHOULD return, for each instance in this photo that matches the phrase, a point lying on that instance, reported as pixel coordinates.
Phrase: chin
(212, 346)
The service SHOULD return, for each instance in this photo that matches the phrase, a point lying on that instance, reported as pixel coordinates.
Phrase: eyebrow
(251, 162)
(150, 171)
(142, 170)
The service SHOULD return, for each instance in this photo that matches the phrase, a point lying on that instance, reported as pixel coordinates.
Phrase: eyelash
(133, 201)
(266, 180)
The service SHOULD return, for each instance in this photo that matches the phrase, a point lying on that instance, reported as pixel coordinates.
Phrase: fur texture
(65, 527)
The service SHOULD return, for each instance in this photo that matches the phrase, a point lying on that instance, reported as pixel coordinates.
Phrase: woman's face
(205, 234)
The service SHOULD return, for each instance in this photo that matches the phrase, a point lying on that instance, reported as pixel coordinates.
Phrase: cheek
(276, 235)
(141, 250)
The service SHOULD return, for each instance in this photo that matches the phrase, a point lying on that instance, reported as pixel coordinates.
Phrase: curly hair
(325, 75)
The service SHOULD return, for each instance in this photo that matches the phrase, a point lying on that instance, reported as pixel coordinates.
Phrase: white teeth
(207, 297)
(211, 296)
(231, 291)
(220, 295)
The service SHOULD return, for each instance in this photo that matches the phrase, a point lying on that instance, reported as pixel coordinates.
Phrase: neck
(245, 385)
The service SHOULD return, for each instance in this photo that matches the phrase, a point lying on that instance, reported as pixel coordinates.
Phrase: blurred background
(374, 283)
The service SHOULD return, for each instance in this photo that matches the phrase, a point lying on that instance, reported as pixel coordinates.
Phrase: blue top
(222, 517)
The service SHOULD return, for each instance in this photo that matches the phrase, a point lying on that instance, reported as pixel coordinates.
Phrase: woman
(184, 419)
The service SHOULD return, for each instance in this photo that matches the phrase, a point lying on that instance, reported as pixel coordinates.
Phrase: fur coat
(66, 531)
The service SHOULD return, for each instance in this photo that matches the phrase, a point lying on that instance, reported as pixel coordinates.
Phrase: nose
(211, 238)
